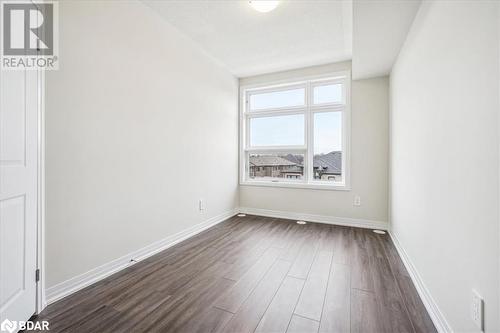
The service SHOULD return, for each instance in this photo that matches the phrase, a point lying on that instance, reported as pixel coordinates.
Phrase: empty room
(250, 166)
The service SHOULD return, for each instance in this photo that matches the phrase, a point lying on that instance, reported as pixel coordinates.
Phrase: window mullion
(247, 132)
(310, 136)
(274, 149)
(276, 112)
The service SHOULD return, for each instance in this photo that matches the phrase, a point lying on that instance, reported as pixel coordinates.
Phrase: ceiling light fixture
(263, 6)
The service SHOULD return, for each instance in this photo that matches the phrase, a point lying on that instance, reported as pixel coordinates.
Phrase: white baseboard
(345, 221)
(72, 285)
(436, 315)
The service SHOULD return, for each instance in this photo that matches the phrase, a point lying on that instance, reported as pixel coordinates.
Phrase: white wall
(140, 124)
(369, 158)
(444, 156)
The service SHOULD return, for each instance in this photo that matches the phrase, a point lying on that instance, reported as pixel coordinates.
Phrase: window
(296, 134)
(277, 99)
(275, 166)
(269, 131)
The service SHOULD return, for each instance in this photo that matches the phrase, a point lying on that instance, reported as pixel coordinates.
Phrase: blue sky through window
(327, 132)
(277, 99)
(289, 130)
(277, 131)
(327, 94)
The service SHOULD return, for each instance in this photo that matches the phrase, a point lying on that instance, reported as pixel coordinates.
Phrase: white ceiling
(379, 31)
(296, 34)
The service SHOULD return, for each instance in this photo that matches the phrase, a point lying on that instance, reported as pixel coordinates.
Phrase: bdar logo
(8, 326)
(13, 326)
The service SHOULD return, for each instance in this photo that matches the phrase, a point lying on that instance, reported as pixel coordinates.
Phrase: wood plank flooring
(255, 274)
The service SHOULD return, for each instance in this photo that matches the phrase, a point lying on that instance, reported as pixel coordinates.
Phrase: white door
(18, 194)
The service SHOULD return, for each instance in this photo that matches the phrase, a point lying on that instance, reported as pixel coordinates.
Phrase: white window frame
(309, 109)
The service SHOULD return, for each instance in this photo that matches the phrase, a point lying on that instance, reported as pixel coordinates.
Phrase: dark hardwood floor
(255, 274)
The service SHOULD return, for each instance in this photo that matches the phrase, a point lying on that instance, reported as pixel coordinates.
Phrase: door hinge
(37, 275)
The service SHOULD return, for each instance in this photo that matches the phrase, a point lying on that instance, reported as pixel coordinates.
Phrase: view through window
(296, 133)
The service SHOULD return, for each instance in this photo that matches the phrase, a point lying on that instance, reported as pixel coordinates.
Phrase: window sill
(328, 187)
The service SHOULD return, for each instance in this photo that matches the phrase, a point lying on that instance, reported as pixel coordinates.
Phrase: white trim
(329, 75)
(72, 285)
(315, 185)
(430, 304)
(277, 149)
(345, 221)
(41, 302)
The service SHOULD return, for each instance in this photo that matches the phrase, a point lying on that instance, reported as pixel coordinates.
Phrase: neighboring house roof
(330, 163)
(266, 160)
(294, 158)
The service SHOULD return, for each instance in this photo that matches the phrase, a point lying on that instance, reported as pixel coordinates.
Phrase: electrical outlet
(202, 205)
(357, 200)
(477, 309)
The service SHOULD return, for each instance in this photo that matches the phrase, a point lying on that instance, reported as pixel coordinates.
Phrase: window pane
(327, 161)
(277, 99)
(287, 167)
(277, 131)
(331, 93)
